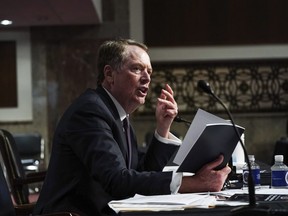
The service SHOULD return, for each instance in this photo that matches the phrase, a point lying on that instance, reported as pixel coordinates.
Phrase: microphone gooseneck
(251, 188)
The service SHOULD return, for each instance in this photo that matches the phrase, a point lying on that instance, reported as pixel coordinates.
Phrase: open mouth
(143, 90)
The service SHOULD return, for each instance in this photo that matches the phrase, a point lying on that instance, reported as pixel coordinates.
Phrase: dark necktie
(126, 126)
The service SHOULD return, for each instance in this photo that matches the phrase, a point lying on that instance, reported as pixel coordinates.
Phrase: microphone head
(205, 86)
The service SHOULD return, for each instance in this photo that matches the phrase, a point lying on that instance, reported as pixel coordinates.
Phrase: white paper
(162, 202)
(183, 201)
(261, 190)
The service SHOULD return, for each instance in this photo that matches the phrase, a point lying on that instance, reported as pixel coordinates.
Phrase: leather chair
(8, 209)
(17, 178)
(6, 204)
(31, 150)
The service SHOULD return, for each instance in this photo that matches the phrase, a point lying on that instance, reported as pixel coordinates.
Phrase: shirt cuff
(176, 182)
(172, 139)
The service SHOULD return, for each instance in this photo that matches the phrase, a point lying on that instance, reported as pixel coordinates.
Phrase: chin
(141, 101)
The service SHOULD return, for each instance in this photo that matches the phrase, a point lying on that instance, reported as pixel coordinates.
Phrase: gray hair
(113, 53)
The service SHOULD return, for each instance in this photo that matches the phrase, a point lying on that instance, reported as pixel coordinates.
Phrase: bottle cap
(279, 158)
(251, 157)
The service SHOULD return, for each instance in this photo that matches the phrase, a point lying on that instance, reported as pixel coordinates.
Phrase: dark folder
(207, 138)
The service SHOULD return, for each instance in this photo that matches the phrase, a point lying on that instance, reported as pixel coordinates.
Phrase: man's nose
(146, 76)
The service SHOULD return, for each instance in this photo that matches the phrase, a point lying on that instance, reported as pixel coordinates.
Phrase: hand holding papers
(207, 138)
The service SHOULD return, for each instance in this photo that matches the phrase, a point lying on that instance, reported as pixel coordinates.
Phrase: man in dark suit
(93, 162)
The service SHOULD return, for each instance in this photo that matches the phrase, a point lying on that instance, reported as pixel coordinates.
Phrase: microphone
(180, 119)
(252, 207)
(207, 89)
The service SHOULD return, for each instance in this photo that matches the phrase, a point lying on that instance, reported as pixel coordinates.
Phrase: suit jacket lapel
(111, 106)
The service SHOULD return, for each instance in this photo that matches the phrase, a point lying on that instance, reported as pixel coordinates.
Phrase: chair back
(31, 150)
(8, 209)
(14, 167)
(6, 205)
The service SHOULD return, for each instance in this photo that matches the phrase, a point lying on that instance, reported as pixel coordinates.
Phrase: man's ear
(108, 74)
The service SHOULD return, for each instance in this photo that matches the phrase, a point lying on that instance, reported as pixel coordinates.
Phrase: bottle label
(255, 175)
(279, 178)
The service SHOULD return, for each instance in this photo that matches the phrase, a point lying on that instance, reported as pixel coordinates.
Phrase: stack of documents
(238, 197)
(235, 197)
(163, 202)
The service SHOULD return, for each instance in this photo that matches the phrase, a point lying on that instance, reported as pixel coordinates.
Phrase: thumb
(215, 163)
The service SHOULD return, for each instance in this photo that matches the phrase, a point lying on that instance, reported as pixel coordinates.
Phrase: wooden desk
(219, 211)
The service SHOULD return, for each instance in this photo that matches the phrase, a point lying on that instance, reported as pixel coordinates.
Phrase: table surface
(223, 211)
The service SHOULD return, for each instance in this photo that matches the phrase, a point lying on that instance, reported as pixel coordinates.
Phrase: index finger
(168, 92)
(168, 88)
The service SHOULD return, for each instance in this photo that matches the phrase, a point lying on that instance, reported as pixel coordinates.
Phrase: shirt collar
(119, 108)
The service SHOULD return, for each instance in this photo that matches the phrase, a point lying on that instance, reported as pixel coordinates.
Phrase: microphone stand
(252, 209)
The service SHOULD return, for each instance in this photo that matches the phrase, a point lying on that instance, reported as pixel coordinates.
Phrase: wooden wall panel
(8, 74)
(221, 22)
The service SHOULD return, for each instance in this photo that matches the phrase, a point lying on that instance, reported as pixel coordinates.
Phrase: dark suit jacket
(87, 167)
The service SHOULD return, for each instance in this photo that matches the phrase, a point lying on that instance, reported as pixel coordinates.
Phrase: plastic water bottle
(255, 172)
(279, 173)
(238, 156)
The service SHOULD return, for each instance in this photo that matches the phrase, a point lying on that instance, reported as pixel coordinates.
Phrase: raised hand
(166, 111)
